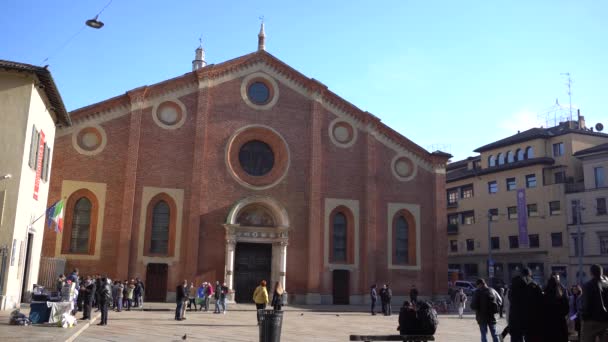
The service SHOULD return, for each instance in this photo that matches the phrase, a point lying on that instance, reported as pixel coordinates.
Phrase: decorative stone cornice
(213, 74)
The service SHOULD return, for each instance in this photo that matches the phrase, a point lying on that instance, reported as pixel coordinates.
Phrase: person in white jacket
(461, 301)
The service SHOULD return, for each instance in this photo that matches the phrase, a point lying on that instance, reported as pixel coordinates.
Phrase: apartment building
(485, 222)
(587, 214)
(30, 110)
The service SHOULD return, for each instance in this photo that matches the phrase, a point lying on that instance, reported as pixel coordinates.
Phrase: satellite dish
(599, 127)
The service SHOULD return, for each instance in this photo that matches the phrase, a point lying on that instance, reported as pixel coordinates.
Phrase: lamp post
(579, 241)
(490, 261)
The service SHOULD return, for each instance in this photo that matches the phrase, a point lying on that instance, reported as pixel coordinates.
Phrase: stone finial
(199, 57)
(262, 38)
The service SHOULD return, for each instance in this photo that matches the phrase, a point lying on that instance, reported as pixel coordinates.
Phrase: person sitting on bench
(408, 321)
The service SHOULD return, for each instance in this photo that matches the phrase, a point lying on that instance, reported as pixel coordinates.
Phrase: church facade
(248, 170)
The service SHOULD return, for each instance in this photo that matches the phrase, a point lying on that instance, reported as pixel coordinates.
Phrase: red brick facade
(325, 165)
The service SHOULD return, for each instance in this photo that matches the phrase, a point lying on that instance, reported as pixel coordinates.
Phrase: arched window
(491, 161)
(529, 152)
(501, 159)
(159, 239)
(510, 157)
(160, 226)
(339, 237)
(81, 226)
(401, 241)
(519, 154)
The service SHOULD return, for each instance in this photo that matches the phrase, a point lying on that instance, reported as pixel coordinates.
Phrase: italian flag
(54, 215)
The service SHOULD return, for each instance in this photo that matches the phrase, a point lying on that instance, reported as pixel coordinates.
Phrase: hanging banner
(39, 165)
(522, 218)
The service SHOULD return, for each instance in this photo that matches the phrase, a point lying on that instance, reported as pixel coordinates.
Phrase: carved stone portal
(255, 215)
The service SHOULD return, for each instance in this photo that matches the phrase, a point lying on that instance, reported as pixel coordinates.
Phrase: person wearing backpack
(486, 303)
(594, 310)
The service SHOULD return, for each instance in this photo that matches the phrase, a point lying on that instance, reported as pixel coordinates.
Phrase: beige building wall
(593, 217)
(552, 255)
(21, 107)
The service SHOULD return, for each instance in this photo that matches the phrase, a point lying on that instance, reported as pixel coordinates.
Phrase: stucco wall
(25, 108)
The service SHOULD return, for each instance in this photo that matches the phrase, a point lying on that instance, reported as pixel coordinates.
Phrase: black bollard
(271, 322)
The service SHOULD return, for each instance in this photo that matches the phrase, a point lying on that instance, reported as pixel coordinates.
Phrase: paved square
(301, 323)
(305, 323)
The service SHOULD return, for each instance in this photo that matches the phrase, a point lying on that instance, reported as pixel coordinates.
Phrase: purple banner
(522, 218)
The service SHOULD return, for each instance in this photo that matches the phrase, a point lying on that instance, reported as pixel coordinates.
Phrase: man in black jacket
(105, 298)
(525, 313)
(89, 290)
(414, 294)
(485, 303)
(383, 299)
(595, 306)
(181, 294)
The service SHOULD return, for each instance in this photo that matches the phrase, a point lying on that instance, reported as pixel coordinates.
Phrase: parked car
(467, 286)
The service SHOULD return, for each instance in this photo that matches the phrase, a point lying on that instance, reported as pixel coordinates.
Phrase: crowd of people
(537, 314)
(386, 295)
(189, 296)
(99, 292)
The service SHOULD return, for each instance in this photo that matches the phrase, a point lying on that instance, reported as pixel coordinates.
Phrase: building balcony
(575, 187)
(453, 204)
(452, 229)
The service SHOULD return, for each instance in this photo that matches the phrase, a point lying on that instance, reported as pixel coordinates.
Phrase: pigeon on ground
(184, 337)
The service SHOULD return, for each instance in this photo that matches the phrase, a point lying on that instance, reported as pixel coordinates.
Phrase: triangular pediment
(262, 61)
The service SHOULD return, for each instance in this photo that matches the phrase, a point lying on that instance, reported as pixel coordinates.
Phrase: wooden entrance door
(341, 280)
(156, 282)
(251, 265)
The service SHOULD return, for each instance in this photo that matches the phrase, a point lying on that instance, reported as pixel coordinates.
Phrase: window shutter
(32, 160)
(45, 162)
(36, 150)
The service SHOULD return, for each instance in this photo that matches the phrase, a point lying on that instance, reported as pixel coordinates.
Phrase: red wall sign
(39, 163)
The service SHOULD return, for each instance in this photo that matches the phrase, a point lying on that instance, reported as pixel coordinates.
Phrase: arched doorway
(256, 245)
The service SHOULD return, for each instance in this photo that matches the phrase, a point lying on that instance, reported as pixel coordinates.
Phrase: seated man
(408, 320)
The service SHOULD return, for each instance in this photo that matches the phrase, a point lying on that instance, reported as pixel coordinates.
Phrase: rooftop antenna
(569, 84)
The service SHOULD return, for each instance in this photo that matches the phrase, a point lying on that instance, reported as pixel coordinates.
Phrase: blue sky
(454, 75)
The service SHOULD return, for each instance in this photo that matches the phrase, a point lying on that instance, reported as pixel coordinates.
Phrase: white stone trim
(331, 132)
(353, 206)
(414, 209)
(399, 177)
(178, 124)
(102, 143)
(236, 177)
(69, 187)
(275, 75)
(281, 217)
(273, 84)
(148, 193)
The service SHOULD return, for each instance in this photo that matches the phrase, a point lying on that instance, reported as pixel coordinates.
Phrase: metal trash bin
(271, 322)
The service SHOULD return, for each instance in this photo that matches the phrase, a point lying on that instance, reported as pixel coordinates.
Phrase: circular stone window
(169, 114)
(257, 157)
(89, 140)
(403, 168)
(259, 91)
(342, 133)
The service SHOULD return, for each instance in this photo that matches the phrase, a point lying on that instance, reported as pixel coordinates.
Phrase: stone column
(283, 263)
(229, 268)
